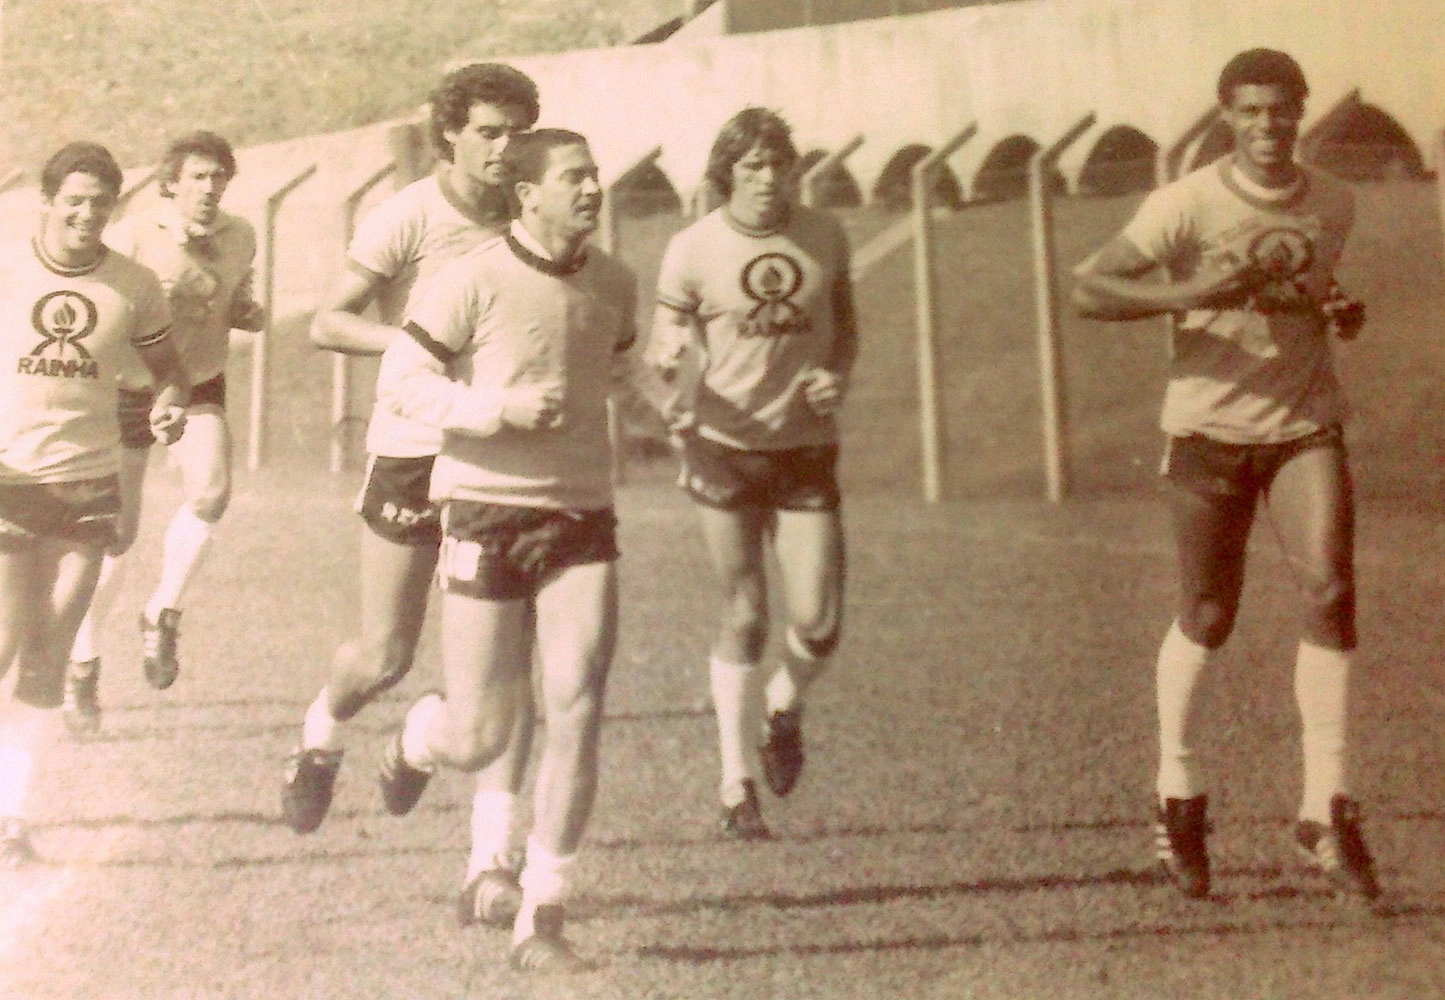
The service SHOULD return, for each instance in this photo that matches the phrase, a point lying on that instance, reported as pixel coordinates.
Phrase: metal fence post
(808, 187)
(610, 240)
(260, 346)
(930, 419)
(1046, 307)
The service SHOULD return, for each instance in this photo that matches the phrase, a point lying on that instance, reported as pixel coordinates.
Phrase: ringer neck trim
(54, 266)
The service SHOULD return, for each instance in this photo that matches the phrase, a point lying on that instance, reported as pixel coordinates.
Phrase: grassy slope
(131, 73)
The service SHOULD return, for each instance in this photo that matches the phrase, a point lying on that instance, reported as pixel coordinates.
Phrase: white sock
(186, 539)
(734, 690)
(1181, 660)
(544, 882)
(17, 765)
(415, 732)
(782, 690)
(1321, 680)
(106, 587)
(28, 731)
(320, 730)
(493, 814)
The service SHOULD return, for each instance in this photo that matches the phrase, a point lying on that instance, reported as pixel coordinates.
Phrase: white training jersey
(207, 280)
(508, 317)
(67, 339)
(764, 303)
(406, 240)
(1263, 373)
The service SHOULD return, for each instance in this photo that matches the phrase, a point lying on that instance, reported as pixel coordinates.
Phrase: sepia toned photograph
(722, 500)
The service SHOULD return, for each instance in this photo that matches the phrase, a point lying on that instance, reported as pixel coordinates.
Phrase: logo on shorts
(63, 319)
(771, 280)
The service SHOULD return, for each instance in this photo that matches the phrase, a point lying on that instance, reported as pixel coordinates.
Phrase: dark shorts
(498, 552)
(395, 500)
(1214, 468)
(803, 479)
(84, 511)
(135, 405)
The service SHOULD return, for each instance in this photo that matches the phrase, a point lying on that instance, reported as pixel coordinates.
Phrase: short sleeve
(152, 310)
(388, 237)
(1159, 226)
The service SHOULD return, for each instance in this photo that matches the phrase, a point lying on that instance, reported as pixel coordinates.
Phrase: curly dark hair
(749, 128)
(1264, 67)
(198, 143)
(479, 83)
(80, 158)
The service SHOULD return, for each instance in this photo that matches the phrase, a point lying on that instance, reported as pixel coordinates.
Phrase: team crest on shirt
(771, 280)
(63, 319)
(1284, 254)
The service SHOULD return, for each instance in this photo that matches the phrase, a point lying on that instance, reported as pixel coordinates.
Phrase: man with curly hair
(398, 247)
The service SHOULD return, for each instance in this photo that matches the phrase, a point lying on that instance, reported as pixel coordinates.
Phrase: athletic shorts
(1214, 468)
(135, 405)
(395, 500)
(499, 552)
(83, 511)
(717, 475)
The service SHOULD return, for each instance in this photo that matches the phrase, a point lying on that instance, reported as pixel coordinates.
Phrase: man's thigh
(486, 654)
(203, 453)
(1310, 505)
(576, 632)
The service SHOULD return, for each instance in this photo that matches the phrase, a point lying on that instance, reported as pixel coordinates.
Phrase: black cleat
(1180, 831)
(16, 851)
(401, 784)
(307, 783)
(81, 707)
(1339, 851)
(744, 821)
(492, 897)
(158, 646)
(546, 951)
(782, 751)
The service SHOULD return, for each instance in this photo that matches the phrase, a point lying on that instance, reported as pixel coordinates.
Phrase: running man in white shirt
(512, 352)
(204, 258)
(759, 290)
(75, 319)
(398, 249)
(1242, 253)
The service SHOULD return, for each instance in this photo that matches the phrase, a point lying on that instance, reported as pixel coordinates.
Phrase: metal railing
(1052, 388)
(930, 411)
(261, 345)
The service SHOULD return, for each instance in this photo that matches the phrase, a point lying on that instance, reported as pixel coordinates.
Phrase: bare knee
(363, 673)
(1330, 615)
(211, 505)
(472, 744)
(745, 627)
(1208, 621)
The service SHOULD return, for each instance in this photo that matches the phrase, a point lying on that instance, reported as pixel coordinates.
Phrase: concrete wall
(1029, 68)
(774, 15)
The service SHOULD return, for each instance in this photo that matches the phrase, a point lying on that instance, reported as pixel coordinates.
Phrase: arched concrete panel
(1118, 159)
(645, 190)
(1361, 142)
(893, 187)
(1214, 142)
(1004, 172)
(835, 187)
